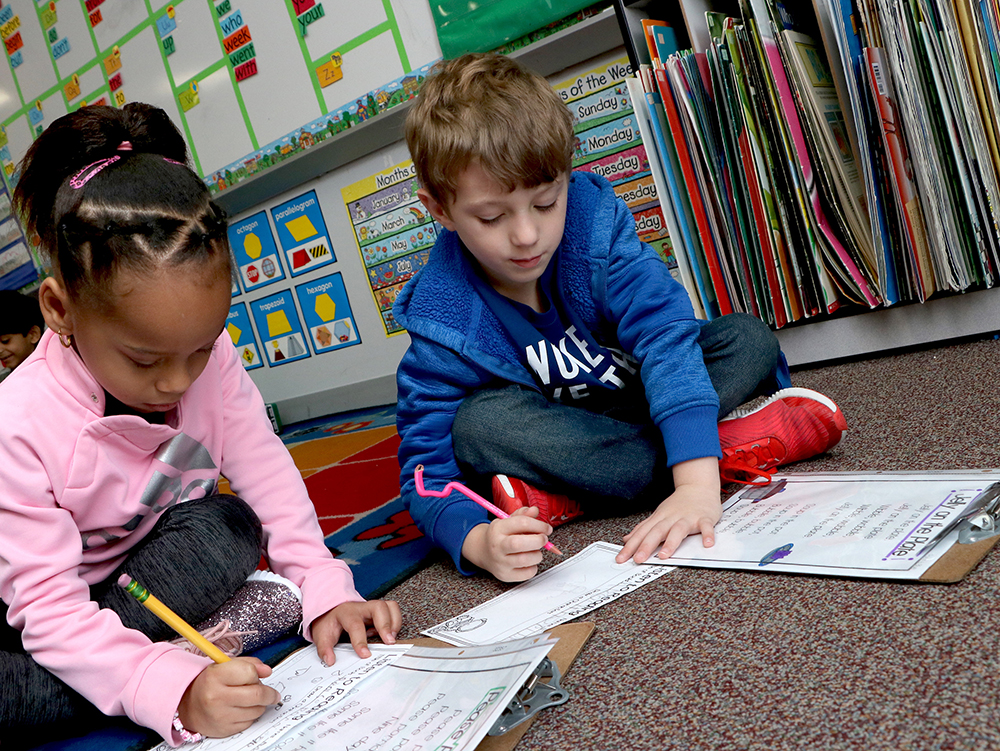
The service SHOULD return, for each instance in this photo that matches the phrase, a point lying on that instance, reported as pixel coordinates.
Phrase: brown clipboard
(572, 637)
(960, 559)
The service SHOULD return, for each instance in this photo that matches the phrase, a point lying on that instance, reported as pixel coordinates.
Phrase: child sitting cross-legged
(116, 430)
(553, 358)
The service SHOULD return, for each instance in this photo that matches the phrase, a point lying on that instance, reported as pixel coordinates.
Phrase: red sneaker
(510, 494)
(791, 425)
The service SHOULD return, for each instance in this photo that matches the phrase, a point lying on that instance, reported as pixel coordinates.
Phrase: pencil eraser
(124, 580)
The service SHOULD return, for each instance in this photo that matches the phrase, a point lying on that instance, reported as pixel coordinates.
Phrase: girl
(116, 430)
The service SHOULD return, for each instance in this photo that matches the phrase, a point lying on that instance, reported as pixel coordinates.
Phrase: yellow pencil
(171, 618)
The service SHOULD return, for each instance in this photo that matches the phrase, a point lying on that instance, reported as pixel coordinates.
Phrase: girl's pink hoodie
(79, 490)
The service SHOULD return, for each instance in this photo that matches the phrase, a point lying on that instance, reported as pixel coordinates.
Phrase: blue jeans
(612, 461)
(198, 554)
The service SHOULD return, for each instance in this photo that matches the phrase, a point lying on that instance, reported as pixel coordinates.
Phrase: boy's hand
(360, 620)
(511, 548)
(226, 698)
(694, 506)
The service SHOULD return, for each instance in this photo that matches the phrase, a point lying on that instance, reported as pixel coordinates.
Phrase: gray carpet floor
(709, 659)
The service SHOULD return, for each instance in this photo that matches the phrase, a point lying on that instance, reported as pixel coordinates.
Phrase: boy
(552, 351)
(20, 329)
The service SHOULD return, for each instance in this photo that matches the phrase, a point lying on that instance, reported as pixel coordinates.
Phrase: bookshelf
(851, 331)
(880, 331)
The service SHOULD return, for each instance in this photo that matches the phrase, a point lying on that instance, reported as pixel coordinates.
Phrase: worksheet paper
(586, 581)
(308, 688)
(400, 698)
(884, 525)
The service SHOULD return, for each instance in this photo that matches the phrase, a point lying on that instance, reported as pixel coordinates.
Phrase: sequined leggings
(198, 554)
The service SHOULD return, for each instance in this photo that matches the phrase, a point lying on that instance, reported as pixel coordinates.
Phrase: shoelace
(751, 462)
(221, 635)
(729, 470)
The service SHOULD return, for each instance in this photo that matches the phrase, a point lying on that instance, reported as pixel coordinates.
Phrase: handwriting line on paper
(578, 585)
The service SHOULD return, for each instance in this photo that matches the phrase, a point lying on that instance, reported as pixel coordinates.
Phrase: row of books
(845, 156)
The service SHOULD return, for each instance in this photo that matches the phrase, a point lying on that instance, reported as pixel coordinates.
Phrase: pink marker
(418, 477)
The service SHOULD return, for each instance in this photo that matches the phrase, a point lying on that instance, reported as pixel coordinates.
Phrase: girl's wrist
(186, 735)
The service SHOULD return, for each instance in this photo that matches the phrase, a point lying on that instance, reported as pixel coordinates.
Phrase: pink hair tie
(125, 146)
(85, 175)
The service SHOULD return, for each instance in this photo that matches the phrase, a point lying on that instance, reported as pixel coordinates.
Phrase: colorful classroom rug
(350, 468)
(348, 462)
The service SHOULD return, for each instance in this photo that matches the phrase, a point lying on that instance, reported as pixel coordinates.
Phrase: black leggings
(198, 554)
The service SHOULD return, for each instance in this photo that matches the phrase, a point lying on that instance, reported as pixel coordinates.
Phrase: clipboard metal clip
(984, 522)
(533, 697)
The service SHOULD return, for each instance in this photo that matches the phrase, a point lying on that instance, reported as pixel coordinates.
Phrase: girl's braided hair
(108, 189)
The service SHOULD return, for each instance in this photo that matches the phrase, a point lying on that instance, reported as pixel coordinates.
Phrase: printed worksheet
(429, 698)
(308, 689)
(586, 581)
(401, 697)
(884, 525)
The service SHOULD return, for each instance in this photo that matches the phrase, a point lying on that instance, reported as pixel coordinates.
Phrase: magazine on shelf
(772, 21)
(747, 249)
(643, 104)
(688, 166)
(947, 229)
(971, 132)
(688, 87)
(844, 38)
(768, 227)
(811, 160)
(677, 197)
(816, 91)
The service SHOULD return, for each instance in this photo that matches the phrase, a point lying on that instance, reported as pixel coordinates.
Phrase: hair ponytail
(108, 189)
(81, 138)
(150, 131)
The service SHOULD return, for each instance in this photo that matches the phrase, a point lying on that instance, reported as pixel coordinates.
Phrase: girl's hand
(510, 548)
(226, 698)
(355, 618)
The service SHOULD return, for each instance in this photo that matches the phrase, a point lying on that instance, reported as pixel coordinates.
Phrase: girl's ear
(54, 302)
(437, 209)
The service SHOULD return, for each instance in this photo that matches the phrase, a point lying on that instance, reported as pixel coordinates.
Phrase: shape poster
(608, 144)
(394, 233)
(280, 328)
(302, 233)
(256, 254)
(240, 331)
(327, 314)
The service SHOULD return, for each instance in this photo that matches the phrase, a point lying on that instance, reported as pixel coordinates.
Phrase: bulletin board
(17, 268)
(248, 82)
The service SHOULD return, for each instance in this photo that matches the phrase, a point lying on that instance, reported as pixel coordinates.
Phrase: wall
(358, 375)
(234, 75)
(360, 372)
(317, 337)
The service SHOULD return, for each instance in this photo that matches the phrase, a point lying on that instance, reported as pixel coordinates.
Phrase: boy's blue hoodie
(620, 289)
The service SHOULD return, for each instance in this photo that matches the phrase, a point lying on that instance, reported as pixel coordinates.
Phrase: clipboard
(572, 637)
(869, 525)
(958, 562)
(978, 532)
